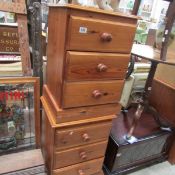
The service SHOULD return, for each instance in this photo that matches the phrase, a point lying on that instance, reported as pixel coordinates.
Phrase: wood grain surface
(91, 39)
(96, 66)
(82, 93)
(83, 135)
(79, 154)
(88, 168)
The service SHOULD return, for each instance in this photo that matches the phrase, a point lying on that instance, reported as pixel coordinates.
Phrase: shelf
(10, 58)
(9, 24)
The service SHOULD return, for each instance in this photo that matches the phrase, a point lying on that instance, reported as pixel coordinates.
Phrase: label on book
(9, 40)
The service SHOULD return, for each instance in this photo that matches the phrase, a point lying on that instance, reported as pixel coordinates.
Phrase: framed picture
(19, 114)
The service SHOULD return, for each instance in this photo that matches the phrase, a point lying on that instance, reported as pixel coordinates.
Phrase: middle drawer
(79, 154)
(87, 93)
(82, 66)
(83, 135)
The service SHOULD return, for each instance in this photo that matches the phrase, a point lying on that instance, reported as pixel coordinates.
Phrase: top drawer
(86, 34)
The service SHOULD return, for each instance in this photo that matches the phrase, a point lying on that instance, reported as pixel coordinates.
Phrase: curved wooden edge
(165, 84)
(13, 7)
(48, 111)
(51, 116)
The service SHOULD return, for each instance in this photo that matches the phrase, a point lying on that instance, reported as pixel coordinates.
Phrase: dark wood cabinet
(152, 145)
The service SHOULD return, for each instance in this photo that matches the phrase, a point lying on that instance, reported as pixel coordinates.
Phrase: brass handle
(96, 94)
(80, 172)
(102, 67)
(86, 137)
(106, 37)
(83, 155)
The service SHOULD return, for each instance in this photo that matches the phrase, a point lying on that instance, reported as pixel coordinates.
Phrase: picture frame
(21, 94)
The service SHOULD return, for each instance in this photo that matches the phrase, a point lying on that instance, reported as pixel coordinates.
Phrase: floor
(159, 169)
(25, 163)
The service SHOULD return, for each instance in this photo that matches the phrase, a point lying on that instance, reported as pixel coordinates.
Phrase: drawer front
(87, 34)
(96, 66)
(82, 135)
(80, 154)
(92, 167)
(88, 93)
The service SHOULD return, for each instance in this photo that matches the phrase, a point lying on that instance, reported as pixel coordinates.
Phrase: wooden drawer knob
(102, 67)
(106, 37)
(86, 137)
(96, 94)
(80, 172)
(83, 155)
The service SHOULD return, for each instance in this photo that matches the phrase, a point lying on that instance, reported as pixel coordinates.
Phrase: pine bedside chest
(88, 55)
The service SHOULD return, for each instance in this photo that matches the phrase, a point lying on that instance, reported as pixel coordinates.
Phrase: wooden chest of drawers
(88, 55)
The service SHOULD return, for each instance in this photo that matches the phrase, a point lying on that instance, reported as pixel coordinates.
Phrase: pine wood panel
(57, 22)
(82, 113)
(89, 168)
(84, 93)
(58, 39)
(99, 12)
(79, 154)
(122, 35)
(81, 135)
(65, 118)
(96, 66)
(47, 140)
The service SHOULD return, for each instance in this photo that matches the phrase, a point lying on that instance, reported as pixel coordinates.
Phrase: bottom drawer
(93, 167)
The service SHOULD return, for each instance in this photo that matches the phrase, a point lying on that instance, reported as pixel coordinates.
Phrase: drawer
(96, 66)
(87, 34)
(88, 93)
(88, 168)
(79, 154)
(82, 135)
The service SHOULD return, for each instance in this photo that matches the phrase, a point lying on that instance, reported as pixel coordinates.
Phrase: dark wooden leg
(137, 116)
(144, 100)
